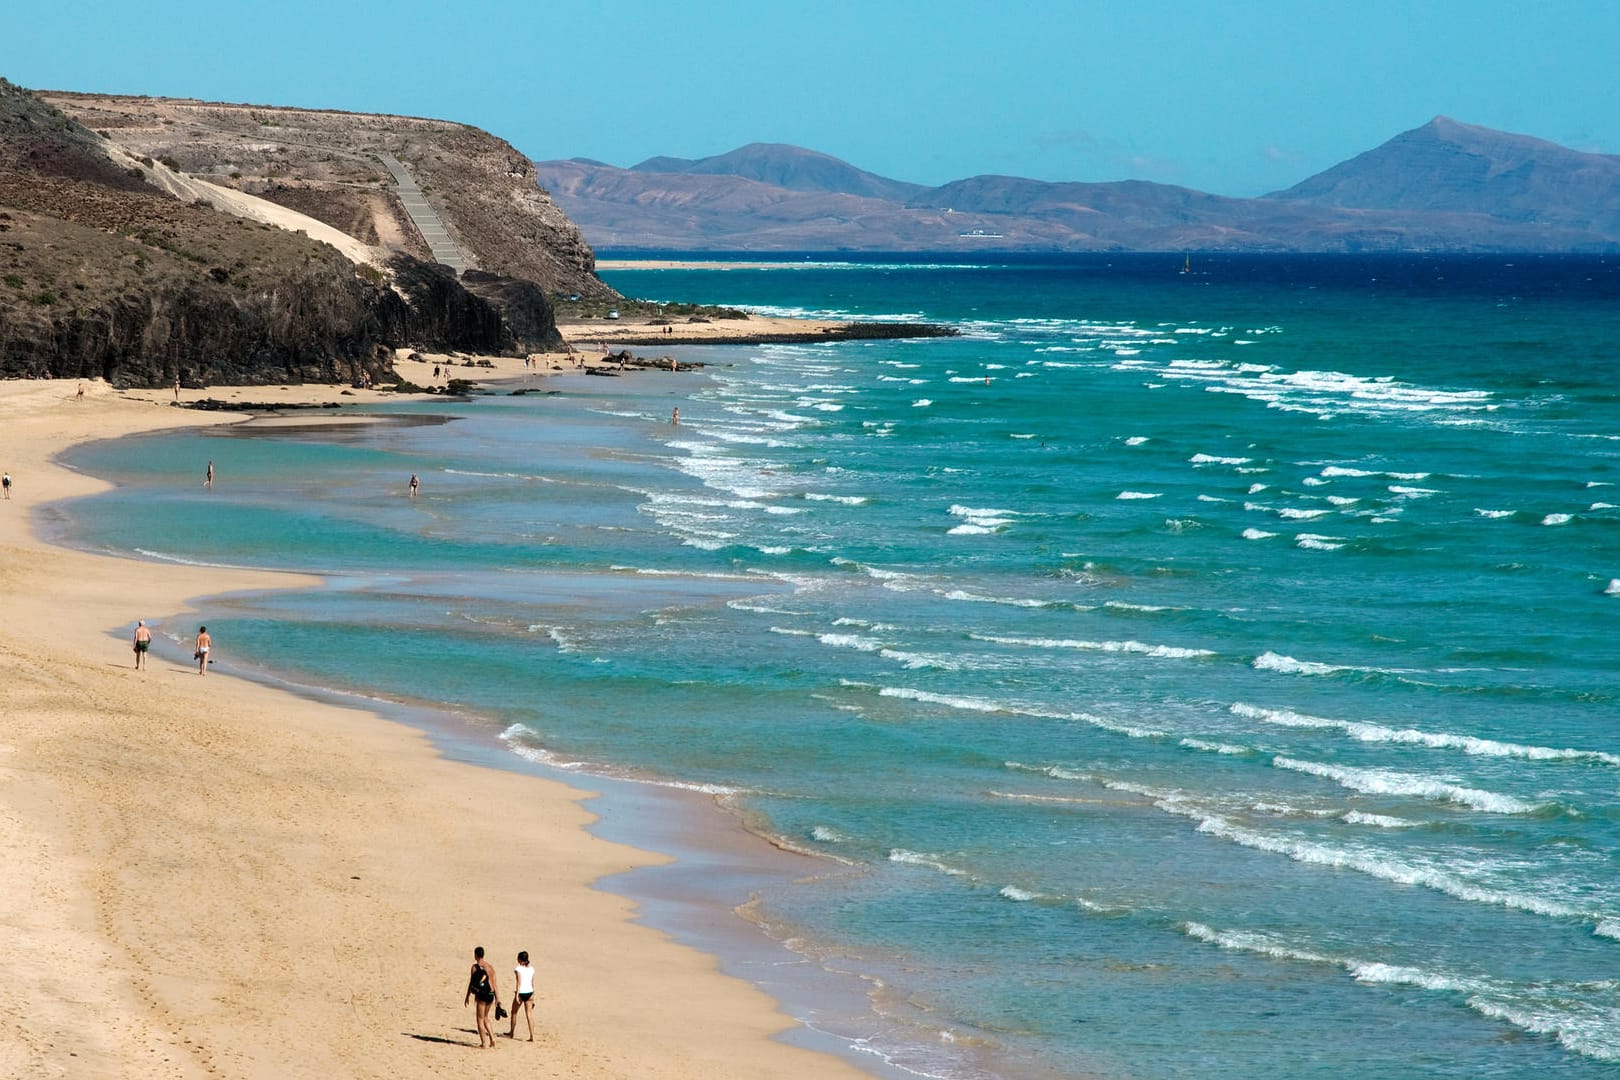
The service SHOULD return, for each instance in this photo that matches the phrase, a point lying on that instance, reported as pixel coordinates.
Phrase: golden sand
(208, 877)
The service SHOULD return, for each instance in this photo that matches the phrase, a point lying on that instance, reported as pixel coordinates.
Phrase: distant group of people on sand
(483, 988)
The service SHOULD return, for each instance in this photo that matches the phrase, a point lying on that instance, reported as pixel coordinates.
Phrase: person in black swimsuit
(481, 985)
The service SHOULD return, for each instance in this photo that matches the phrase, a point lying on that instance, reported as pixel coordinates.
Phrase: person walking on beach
(415, 483)
(205, 644)
(5, 483)
(177, 388)
(481, 985)
(208, 481)
(143, 642)
(524, 995)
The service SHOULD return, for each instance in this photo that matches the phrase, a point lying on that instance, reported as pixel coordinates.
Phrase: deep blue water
(1207, 672)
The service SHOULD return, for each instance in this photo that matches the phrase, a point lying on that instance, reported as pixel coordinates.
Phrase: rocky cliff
(327, 164)
(155, 247)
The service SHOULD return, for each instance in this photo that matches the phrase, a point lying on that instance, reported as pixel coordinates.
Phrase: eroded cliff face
(104, 275)
(326, 164)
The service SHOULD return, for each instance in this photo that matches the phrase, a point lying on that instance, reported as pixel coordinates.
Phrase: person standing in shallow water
(205, 645)
(415, 483)
(143, 642)
(208, 481)
(481, 985)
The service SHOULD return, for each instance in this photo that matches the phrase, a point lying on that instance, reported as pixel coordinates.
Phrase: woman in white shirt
(524, 996)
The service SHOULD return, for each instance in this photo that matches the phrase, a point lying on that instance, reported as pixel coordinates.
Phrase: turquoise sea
(1206, 673)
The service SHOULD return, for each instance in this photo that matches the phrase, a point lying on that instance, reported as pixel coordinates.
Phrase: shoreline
(263, 883)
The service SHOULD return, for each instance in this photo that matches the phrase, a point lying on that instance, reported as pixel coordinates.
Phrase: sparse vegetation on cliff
(106, 275)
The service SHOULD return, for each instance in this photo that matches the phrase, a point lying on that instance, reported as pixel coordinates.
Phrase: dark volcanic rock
(104, 276)
(523, 306)
(441, 314)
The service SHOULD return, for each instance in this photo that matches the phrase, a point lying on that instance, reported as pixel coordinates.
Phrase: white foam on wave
(970, 530)
(1295, 514)
(1010, 601)
(1566, 1011)
(162, 556)
(1017, 895)
(1214, 748)
(848, 641)
(1287, 665)
(1252, 941)
(1389, 782)
(1056, 772)
(1212, 459)
(1139, 495)
(1169, 652)
(917, 661)
(1378, 733)
(1315, 542)
(989, 705)
(1136, 440)
(1372, 862)
(1613, 588)
(1342, 500)
(1346, 470)
(523, 741)
(928, 697)
(974, 512)
(922, 403)
(930, 862)
(1381, 821)
(761, 609)
(826, 834)
(557, 634)
(1257, 534)
(1557, 519)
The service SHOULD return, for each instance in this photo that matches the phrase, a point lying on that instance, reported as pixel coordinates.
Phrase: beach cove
(213, 877)
(1177, 671)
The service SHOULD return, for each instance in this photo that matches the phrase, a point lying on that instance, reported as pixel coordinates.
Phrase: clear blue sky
(1235, 98)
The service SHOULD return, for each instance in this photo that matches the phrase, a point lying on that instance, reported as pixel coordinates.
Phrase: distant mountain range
(1445, 186)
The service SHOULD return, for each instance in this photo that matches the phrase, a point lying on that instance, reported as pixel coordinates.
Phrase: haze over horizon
(1237, 100)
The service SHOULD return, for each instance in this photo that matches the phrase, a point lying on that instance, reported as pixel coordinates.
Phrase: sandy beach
(596, 337)
(209, 877)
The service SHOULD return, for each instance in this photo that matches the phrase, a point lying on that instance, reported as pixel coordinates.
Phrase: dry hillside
(325, 164)
(119, 265)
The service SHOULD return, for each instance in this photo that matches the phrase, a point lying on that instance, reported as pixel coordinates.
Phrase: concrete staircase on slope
(424, 216)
